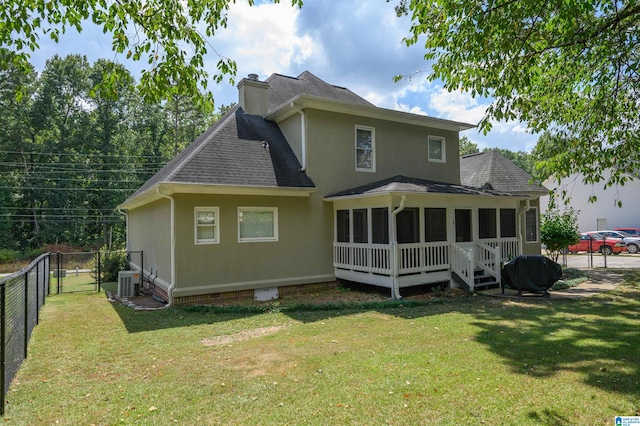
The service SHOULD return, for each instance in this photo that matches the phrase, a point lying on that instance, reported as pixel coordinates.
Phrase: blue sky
(355, 44)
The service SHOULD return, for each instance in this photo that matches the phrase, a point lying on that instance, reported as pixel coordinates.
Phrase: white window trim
(373, 148)
(216, 227)
(443, 146)
(537, 226)
(274, 210)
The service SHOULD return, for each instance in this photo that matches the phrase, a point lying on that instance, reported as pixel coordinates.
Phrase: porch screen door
(463, 226)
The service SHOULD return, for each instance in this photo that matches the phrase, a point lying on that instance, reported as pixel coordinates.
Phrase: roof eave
(392, 193)
(157, 191)
(307, 101)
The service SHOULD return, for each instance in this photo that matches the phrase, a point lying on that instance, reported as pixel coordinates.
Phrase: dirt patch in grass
(241, 336)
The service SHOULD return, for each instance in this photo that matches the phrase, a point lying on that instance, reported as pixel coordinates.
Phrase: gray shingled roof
(282, 88)
(407, 184)
(492, 170)
(232, 152)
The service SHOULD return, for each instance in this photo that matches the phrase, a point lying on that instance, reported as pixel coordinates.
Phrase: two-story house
(304, 182)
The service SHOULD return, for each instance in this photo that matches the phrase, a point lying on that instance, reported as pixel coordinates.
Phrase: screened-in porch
(404, 232)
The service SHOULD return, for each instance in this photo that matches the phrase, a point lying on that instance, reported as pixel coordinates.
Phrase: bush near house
(558, 231)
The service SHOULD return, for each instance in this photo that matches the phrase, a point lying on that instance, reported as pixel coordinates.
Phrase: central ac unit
(127, 281)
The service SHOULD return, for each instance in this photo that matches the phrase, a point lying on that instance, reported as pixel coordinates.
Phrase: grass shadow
(597, 338)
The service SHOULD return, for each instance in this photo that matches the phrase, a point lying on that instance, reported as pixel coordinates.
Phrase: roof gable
(284, 88)
(492, 170)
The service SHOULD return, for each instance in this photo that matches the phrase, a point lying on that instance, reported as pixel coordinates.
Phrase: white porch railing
(375, 258)
(427, 257)
(509, 247)
(462, 264)
(372, 258)
(423, 257)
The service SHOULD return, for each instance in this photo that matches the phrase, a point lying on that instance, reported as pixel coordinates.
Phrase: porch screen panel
(507, 223)
(487, 223)
(408, 224)
(435, 226)
(463, 226)
(380, 225)
(342, 224)
(360, 226)
(531, 225)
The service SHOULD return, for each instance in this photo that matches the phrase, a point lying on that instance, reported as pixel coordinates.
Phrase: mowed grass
(474, 360)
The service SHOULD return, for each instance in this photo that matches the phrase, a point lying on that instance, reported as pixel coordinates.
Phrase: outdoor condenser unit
(127, 281)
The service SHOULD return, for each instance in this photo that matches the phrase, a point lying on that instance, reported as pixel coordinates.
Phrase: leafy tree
(570, 68)
(170, 35)
(558, 231)
(467, 147)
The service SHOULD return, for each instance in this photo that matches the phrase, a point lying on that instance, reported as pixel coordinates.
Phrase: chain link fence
(22, 294)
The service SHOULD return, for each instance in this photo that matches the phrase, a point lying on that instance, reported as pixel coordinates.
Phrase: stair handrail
(462, 265)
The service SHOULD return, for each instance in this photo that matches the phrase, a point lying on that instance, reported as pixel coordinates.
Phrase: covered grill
(535, 274)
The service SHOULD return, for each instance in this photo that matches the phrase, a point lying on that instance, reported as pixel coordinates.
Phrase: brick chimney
(253, 95)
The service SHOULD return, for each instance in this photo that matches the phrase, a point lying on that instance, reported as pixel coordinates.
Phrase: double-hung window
(257, 224)
(365, 149)
(436, 148)
(207, 225)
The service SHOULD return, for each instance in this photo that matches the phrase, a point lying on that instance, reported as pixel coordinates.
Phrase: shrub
(559, 230)
(8, 256)
(111, 263)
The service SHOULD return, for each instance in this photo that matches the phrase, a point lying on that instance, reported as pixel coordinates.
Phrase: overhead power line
(79, 154)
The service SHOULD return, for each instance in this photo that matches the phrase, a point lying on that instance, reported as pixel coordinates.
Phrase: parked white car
(633, 243)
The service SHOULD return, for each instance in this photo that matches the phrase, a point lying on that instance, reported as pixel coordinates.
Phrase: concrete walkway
(599, 282)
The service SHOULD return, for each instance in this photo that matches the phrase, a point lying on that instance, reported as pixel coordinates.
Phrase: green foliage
(70, 154)
(7, 255)
(569, 68)
(172, 37)
(558, 230)
(111, 262)
(467, 147)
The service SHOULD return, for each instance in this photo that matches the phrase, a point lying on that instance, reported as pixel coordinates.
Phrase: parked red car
(598, 243)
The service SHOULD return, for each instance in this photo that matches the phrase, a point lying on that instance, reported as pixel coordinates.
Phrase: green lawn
(474, 360)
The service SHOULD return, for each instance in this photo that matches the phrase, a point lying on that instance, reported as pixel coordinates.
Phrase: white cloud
(457, 106)
(264, 38)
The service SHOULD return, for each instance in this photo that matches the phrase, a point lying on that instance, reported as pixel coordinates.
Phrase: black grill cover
(531, 273)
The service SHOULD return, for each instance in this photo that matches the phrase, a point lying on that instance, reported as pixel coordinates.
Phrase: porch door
(463, 226)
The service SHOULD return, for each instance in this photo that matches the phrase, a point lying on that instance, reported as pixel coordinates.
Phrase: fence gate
(74, 272)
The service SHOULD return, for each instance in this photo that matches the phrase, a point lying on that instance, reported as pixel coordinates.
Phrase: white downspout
(395, 290)
(173, 245)
(527, 207)
(303, 126)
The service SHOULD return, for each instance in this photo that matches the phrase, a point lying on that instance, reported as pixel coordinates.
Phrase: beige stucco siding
(291, 128)
(399, 149)
(150, 231)
(302, 253)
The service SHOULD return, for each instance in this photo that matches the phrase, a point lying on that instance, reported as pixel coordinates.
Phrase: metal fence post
(99, 272)
(38, 293)
(3, 348)
(26, 312)
(59, 280)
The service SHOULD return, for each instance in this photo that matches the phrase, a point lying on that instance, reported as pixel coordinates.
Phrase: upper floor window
(365, 149)
(207, 228)
(257, 224)
(436, 149)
